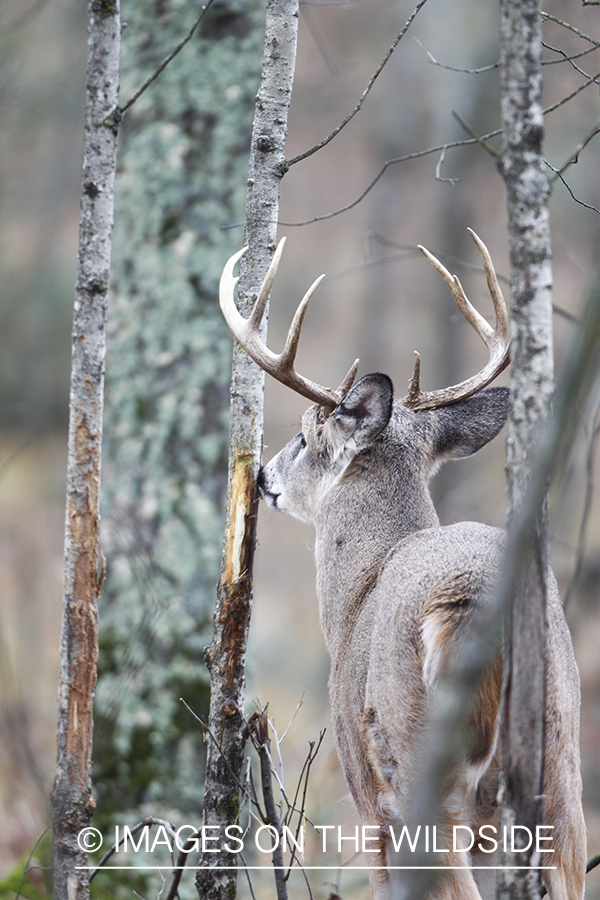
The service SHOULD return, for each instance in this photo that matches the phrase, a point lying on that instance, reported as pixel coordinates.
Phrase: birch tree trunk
(226, 656)
(531, 391)
(72, 802)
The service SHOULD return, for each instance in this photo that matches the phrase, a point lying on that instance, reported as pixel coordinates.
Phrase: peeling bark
(531, 391)
(226, 657)
(72, 802)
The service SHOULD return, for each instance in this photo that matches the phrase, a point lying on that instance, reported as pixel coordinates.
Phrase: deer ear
(363, 413)
(468, 425)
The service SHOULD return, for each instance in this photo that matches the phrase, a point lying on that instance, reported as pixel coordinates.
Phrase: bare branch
(438, 171)
(26, 868)
(566, 57)
(390, 162)
(169, 58)
(365, 93)
(586, 37)
(435, 62)
(148, 822)
(576, 199)
(574, 157)
(555, 62)
(486, 146)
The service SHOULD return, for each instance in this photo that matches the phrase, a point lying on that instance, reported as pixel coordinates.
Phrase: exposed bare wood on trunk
(531, 390)
(72, 802)
(226, 656)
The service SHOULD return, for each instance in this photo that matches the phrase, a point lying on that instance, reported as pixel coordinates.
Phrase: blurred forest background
(380, 301)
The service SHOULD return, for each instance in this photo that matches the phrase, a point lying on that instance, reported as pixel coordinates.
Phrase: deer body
(397, 593)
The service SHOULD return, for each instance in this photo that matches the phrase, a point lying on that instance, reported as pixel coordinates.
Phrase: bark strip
(226, 656)
(72, 802)
(532, 385)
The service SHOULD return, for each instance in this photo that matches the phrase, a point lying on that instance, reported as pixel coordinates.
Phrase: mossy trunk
(180, 188)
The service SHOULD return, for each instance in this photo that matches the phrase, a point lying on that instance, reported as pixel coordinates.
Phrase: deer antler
(496, 339)
(246, 332)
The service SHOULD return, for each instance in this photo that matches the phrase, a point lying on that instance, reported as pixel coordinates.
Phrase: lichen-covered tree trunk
(72, 802)
(531, 390)
(227, 654)
(180, 188)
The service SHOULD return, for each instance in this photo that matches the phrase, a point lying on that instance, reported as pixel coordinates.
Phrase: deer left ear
(468, 425)
(363, 413)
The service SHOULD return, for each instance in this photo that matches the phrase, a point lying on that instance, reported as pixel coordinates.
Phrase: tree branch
(372, 80)
(169, 58)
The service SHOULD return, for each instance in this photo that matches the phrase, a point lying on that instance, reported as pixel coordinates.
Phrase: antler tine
(246, 332)
(483, 328)
(258, 309)
(288, 355)
(495, 339)
(501, 313)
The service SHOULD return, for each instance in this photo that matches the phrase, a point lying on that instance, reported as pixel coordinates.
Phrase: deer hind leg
(566, 881)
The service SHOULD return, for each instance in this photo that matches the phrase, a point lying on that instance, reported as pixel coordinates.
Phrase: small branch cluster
(474, 137)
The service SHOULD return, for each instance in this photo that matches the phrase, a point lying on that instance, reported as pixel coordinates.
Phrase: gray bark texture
(182, 167)
(72, 802)
(226, 656)
(532, 384)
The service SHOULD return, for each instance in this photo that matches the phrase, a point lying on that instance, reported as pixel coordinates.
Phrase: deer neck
(359, 523)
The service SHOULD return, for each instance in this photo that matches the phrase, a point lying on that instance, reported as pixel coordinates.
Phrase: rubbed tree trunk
(182, 170)
(531, 391)
(72, 802)
(226, 656)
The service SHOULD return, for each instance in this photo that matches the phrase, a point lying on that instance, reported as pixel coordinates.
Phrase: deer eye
(302, 440)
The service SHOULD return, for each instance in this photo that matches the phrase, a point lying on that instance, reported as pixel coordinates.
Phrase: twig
(568, 58)
(434, 62)
(169, 58)
(247, 873)
(145, 823)
(554, 62)
(260, 736)
(438, 170)
(574, 157)
(586, 37)
(29, 858)
(576, 199)
(312, 753)
(390, 162)
(486, 146)
(593, 79)
(217, 744)
(181, 862)
(372, 80)
(291, 722)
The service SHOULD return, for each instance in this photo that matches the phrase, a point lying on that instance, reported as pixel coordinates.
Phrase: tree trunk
(226, 657)
(182, 168)
(531, 390)
(72, 802)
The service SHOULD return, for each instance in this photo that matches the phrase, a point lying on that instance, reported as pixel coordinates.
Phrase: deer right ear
(362, 415)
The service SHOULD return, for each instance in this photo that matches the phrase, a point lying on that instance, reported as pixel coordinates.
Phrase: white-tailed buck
(397, 591)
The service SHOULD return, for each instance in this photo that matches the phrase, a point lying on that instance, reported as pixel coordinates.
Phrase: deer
(397, 591)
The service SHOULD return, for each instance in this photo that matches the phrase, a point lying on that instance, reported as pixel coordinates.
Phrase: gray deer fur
(396, 592)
